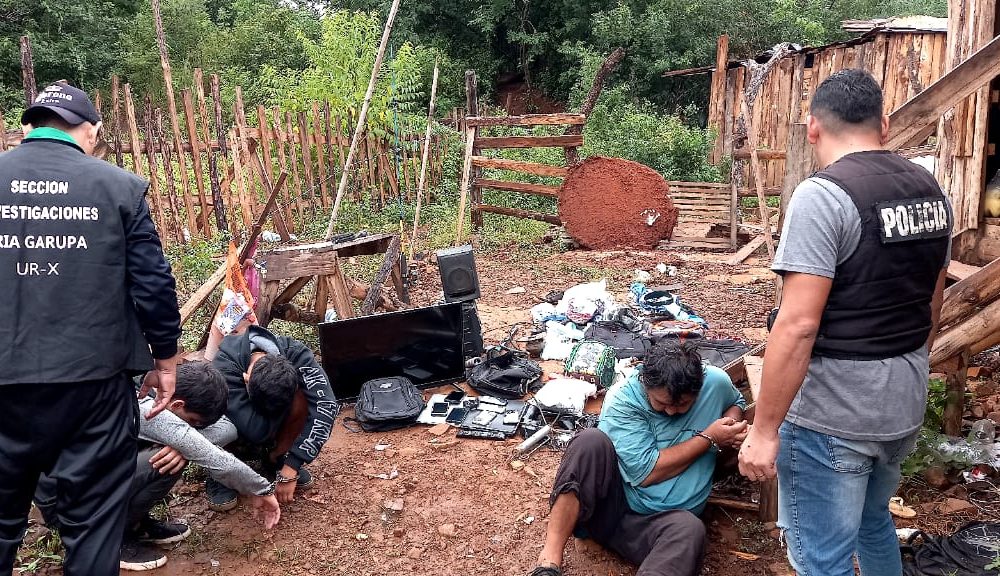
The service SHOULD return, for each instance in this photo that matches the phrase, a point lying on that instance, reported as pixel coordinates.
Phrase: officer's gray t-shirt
(853, 399)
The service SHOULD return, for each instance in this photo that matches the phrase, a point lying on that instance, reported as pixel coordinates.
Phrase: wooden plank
(322, 296)
(758, 179)
(522, 166)
(964, 298)
(762, 154)
(244, 141)
(273, 191)
(239, 178)
(549, 218)
(391, 260)
(912, 119)
(282, 161)
(536, 189)
(527, 120)
(222, 220)
(154, 195)
(292, 290)
(218, 205)
(963, 335)
(293, 159)
(339, 292)
(955, 395)
(530, 142)
(133, 131)
(960, 271)
(202, 293)
(797, 168)
(268, 291)
(116, 126)
(305, 141)
(318, 140)
(264, 140)
(168, 170)
(199, 175)
(716, 100)
(747, 249)
(466, 181)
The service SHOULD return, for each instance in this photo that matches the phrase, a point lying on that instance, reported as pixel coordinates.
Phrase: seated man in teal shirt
(637, 483)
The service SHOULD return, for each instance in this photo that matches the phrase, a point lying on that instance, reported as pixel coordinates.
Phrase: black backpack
(388, 404)
(973, 550)
(505, 373)
(719, 352)
(626, 342)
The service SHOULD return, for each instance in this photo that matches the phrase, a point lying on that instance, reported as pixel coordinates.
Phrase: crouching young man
(189, 430)
(637, 484)
(282, 405)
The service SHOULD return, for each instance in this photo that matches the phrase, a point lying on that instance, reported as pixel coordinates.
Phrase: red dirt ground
(609, 203)
(465, 510)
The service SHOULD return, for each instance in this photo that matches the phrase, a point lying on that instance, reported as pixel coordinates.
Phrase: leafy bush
(622, 128)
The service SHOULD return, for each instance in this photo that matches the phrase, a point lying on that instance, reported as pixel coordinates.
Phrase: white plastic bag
(559, 339)
(565, 395)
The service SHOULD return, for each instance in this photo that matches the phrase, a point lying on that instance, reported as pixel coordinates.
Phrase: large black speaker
(458, 274)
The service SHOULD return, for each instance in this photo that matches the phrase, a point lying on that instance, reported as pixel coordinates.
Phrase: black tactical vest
(880, 303)
(66, 314)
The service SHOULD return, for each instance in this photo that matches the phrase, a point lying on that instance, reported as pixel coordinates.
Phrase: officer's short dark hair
(272, 385)
(675, 368)
(42, 118)
(848, 98)
(203, 389)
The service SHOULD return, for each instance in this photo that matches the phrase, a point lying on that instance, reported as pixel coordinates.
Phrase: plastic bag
(565, 395)
(559, 339)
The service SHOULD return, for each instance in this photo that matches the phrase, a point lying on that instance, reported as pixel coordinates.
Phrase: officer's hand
(759, 455)
(163, 377)
(267, 510)
(168, 461)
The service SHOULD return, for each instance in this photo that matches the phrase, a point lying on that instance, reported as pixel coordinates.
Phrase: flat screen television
(423, 344)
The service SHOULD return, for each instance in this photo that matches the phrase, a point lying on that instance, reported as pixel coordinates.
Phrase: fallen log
(969, 334)
(963, 298)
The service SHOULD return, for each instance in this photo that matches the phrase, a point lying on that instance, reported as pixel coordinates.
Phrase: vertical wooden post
(196, 148)
(279, 138)
(716, 101)
(133, 131)
(306, 142)
(758, 177)
(168, 84)
(116, 126)
(218, 205)
(3, 133)
(168, 170)
(472, 109)
(320, 142)
(422, 182)
(27, 72)
(955, 395)
(156, 199)
(470, 139)
(294, 160)
(243, 142)
(362, 116)
(220, 132)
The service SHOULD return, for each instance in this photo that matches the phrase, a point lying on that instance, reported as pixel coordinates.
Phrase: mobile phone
(455, 397)
(439, 408)
(456, 416)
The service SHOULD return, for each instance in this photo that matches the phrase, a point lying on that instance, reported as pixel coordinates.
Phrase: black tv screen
(423, 344)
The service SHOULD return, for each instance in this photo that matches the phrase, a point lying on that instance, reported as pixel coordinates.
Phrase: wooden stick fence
(202, 172)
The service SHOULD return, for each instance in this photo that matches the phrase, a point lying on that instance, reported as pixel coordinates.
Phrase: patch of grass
(41, 552)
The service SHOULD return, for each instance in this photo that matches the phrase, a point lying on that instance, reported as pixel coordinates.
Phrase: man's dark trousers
(82, 435)
(669, 543)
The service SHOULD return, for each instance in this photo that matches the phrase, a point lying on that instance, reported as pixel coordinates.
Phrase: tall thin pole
(423, 162)
(27, 72)
(362, 118)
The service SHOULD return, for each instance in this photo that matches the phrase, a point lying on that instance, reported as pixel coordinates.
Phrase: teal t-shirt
(638, 434)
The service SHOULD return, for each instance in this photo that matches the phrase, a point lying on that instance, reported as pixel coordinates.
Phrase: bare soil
(465, 510)
(612, 203)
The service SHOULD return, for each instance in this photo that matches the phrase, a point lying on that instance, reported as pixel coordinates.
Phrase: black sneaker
(156, 532)
(221, 498)
(305, 480)
(138, 557)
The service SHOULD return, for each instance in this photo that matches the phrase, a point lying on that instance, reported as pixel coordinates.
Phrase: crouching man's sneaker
(155, 532)
(305, 480)
(138, 556)
(221, 498)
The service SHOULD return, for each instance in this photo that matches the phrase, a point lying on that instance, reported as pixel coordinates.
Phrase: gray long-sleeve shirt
(202, 447)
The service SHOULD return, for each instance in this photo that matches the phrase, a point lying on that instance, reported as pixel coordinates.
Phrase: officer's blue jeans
(833, 497)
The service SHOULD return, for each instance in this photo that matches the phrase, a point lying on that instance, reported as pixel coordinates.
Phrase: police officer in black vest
(86, 286)
(864, 254)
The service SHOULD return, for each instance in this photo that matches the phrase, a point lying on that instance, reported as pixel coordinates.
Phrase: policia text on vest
(913, 219)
